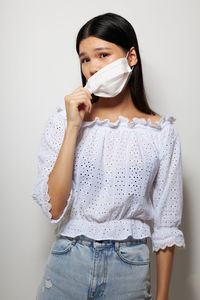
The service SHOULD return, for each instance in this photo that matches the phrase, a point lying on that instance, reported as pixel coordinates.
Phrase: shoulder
(58, 116)
(156, 118)
(153, 118)
(166, 132)
(164, 123)
(55, 124)
(168, 137)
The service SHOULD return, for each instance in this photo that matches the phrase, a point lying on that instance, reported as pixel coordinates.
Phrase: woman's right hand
(77, 104)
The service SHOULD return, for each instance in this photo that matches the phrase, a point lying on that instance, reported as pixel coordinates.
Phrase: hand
(77, 104)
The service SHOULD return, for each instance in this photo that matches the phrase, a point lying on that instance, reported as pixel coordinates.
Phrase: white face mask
(110, 80)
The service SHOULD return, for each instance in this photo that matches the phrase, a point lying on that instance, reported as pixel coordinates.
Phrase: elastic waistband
(106, 243)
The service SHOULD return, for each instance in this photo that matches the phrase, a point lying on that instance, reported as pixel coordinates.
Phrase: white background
(39, 66)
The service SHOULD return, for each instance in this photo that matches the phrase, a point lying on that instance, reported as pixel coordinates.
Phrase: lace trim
(163, 245)
(135, 121)
(125, 121)
(47, 204)
(43, 199)
(166, 237)
(43, 194)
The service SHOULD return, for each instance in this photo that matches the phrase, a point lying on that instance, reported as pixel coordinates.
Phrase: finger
(84, 101)
(83, 96)
(89, 94)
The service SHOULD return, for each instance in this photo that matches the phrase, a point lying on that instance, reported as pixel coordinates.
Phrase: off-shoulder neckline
(124, 121)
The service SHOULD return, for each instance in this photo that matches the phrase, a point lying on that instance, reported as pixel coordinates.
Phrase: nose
(94, 67)
(93, 71)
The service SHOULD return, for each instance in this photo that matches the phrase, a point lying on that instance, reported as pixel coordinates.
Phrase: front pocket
(61, 245)
(136, 254)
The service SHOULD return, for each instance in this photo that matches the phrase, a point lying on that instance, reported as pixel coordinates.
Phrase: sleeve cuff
(41, 196)
(167, 237)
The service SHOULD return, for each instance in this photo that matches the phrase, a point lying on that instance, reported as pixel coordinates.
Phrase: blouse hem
(107, 230)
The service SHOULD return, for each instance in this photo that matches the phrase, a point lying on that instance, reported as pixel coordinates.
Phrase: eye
(82, 61)
(103, 54)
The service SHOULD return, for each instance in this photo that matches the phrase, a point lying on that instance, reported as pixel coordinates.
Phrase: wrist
(160, 297)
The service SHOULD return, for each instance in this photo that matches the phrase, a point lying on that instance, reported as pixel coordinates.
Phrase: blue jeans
(81, 268)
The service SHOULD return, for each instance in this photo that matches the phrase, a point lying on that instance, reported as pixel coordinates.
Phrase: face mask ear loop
(127, 60)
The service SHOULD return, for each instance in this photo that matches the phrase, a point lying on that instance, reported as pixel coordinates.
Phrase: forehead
(91, 44)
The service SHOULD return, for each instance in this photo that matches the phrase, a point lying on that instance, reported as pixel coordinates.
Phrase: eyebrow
(95, 49)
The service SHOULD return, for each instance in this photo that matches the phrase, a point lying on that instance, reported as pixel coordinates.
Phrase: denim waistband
(106, 243)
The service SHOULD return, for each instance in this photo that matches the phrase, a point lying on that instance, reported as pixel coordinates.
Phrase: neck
(118, 104)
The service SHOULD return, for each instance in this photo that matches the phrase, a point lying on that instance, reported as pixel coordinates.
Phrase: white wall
(39, 66)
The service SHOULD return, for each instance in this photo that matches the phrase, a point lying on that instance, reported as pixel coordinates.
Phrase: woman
(109, 168)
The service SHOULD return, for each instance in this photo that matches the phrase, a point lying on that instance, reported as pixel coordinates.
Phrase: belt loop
(74, 240)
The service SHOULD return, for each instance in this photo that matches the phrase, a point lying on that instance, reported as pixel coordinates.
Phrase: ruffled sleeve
(50, 144)
(167, 192)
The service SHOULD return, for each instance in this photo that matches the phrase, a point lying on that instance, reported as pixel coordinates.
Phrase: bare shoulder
(153, 118)
(156, 118)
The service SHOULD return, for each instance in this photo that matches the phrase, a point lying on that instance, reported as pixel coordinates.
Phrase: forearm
(60, 179)
(164, 261)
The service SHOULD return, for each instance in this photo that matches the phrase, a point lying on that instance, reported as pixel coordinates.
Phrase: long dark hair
(115, 29)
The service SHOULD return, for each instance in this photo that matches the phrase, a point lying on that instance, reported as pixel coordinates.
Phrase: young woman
(109, 168)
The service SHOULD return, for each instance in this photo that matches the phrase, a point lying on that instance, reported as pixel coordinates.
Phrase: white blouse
(127, 179)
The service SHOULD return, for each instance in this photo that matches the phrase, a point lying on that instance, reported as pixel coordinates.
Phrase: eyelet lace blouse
(127, 179)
